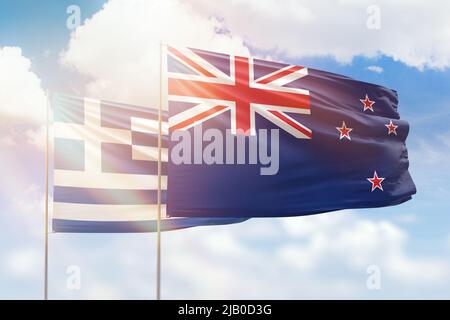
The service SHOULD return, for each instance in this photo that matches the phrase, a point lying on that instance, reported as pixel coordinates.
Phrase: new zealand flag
(255, 138)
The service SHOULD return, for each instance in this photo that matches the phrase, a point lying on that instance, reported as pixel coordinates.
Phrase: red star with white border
(391, 127)
(344, 131)
(376, 181)
(368, 104)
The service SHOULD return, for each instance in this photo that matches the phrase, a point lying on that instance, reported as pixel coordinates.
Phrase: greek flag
(105, 176)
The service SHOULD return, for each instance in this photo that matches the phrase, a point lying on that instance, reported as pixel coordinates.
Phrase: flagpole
(158, 234)
(46, 197)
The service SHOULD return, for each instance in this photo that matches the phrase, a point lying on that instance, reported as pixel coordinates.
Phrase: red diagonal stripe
(190, 62)
(293, 124)
(198, 117)
(280, 74)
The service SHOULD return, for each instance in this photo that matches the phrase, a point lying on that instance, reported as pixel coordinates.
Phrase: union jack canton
(212, 84)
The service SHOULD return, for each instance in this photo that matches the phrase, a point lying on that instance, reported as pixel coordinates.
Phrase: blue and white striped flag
(106, 168)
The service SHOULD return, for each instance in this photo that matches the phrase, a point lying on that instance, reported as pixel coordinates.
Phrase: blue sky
(410, 242)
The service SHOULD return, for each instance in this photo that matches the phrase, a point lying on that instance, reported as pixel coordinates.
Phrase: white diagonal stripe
(283, 125)
(287, 78)
(281, 108)
(205, 105)
(200, 61)
(275, 87)
(290, 77)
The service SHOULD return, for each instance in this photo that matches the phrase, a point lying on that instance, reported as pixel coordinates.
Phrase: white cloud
(37, 136)
(22, 115)
(22, 100)
(119, 47)
(28, 207)
(339, 28)
(22, 262)
(322, 256)
(357, 242)
(21, 95)
(7, 140)
(376, 69)
(29, 201)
